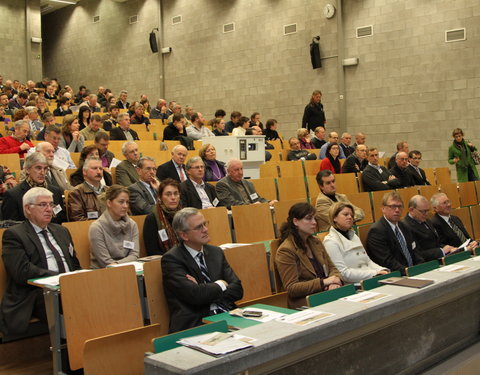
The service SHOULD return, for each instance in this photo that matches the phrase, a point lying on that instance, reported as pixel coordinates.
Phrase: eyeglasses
(417, 158)
(394, 206)
(198, 167)
(424, 212)
(44, 205)
(200, 226)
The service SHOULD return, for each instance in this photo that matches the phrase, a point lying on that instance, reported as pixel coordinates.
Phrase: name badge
(414, 245)
(70, 249)
(253, 196)
(128, 245)
(215, 202)
(57, 209)
(163, 235)
(92, 215)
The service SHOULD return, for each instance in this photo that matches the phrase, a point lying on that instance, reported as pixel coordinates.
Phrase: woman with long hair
(313, 115)
(71, 139)
(301, 260)
(331, 160)
(158, 234)
(84, 114)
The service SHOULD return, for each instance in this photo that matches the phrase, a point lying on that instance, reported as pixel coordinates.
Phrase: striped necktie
(203, 268)
(403, 246)
(457, 230)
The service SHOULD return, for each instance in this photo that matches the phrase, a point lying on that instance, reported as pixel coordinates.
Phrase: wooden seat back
(274, 245)
(140, 220)
(290, 188)
(98, 303)
(253, 273)
(79, 232)
(265, 187)
(156, 301)
(362, 200)
(248, 230)
(281, 209)
(219, 225)
(467, 193)
(120, 353)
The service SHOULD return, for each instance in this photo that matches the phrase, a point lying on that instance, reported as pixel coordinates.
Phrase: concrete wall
(20, 59)
(110, 53)
(409, 83)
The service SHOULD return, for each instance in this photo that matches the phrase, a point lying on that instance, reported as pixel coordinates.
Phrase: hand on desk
(447, 249)
(472, 246)
(382, 272)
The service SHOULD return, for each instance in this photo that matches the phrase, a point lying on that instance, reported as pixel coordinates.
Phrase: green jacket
(462, 165)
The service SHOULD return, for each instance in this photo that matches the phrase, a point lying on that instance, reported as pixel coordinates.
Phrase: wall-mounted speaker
(153, 42)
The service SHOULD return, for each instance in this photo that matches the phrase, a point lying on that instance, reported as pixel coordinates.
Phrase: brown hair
(336, 208)
(114, 191)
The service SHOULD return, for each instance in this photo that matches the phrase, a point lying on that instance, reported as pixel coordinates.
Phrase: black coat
(189, 302)
(117, 134)
(168, 170)
(24, 259)
(190, 197)
(313, 116)
(417, 179)
(384, 249)
(426, 239)
(403, 176)
(372, 180)
(446, 233)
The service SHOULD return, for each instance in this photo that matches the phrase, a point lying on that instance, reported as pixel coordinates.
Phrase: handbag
(475, 155)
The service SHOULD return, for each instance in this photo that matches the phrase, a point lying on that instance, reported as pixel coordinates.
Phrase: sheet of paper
(267, 315)
(303, 318)
(138, 265)
(454, 268)
(365, 297)
(216, 343)
(59, 163)
(232, 245)
(465, 244)
(55, 280)
(114, 163)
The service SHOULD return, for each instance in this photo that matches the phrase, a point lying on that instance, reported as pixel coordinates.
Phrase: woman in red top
(332, 162)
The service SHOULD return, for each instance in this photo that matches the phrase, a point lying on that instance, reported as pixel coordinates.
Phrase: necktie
(56, 254)
(403, 246)
(203, 268)
(457, 230)
(182, 174)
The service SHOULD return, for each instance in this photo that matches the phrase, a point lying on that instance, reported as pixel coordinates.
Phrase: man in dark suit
(233, 190)
(123, 132)
(418, 174)
(143, 193)
(356, 162)
(389, 242)
(401, 146)
(449, 227)
(400, 170)
(176, 128)
(195, 192)
(36, 169)
(425, 236)
(126, 172)
(175, 168)
(318, 139)
(33, 249)
(122, 100)
(197, 279)
(376, 177)
(345, 144)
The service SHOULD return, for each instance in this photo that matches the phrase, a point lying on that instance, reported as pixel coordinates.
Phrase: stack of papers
(365, 297)
(454, 268)
(267, 315)
(303, 318)
(138, 265)
(217, 343)
(55, 280)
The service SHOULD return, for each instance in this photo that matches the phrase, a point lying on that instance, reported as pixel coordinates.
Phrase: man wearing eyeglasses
(389, 241)
(36, 169)
(419, 177)
(197, 278)
(35, 248)
(426, 237)
(196, 192)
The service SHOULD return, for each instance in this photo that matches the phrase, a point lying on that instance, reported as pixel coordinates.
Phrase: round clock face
(329, 11)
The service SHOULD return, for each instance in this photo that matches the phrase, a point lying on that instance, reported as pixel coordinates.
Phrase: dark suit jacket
(446, 233)
(168, 170)
(126, 173)
(403, 175)
(372, 180)
(117, 134)
(189, 302)
(141, 200)
(171, 133)
(347, 150)
(318, 143)
(384, 249)
(427, 240)
(353, 164)
(228, 194)
(416, 177)
(25, 259)
(190, 197)
(12, 207)
(121, 106)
